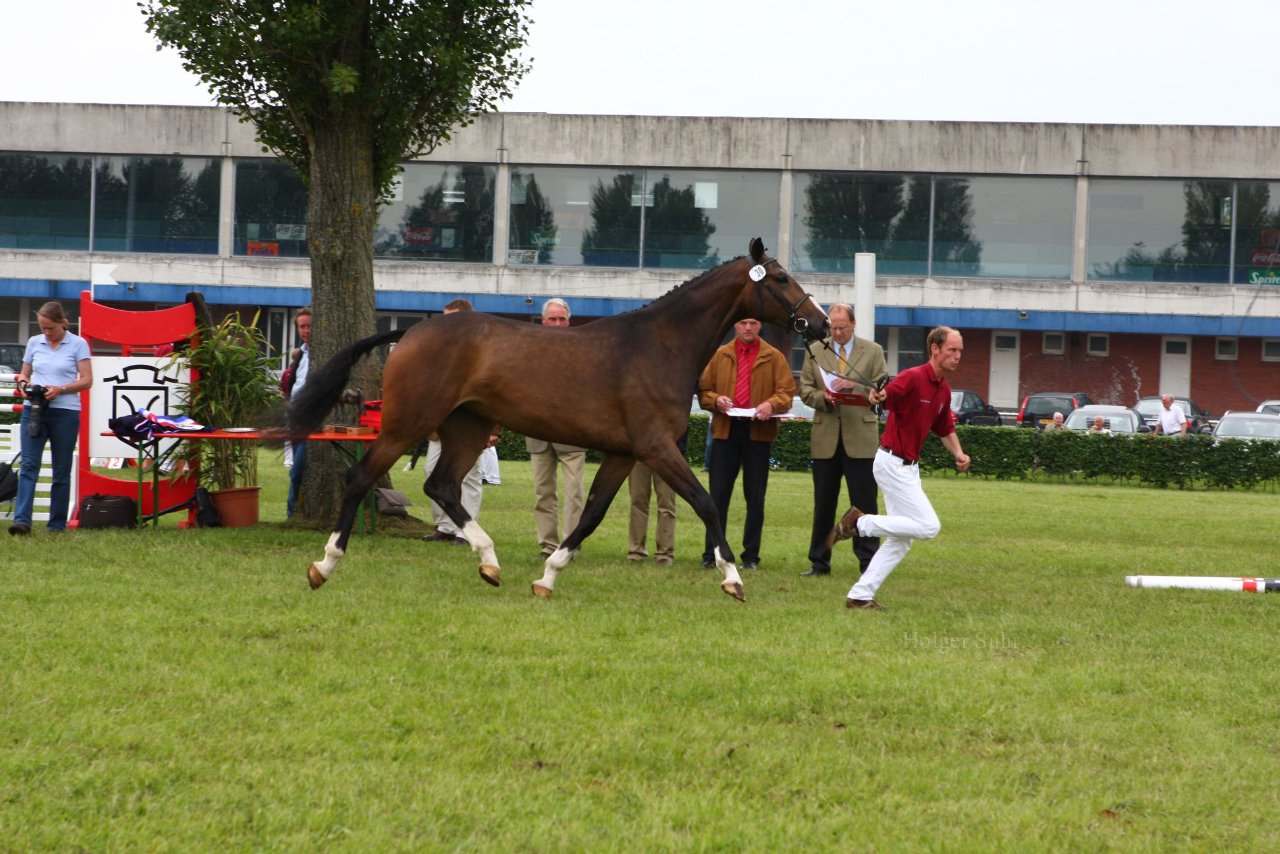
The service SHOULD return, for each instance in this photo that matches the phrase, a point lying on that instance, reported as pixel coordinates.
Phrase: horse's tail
(322, 388)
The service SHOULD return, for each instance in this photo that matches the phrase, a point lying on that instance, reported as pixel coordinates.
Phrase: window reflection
(1257, 260)
(44, 201)
(1003, 227)
(1159, 231)
(841, 214)
(438, 212)
(157, 204)
(682, 219)
(271, 210)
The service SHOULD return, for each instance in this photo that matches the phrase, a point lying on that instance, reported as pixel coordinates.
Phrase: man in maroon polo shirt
(918, 400)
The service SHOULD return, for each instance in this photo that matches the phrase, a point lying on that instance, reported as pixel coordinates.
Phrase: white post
(864, 294)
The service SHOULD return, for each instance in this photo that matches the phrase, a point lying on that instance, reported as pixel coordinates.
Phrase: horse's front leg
(612, 472)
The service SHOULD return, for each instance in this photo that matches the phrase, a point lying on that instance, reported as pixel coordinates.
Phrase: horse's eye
(781, 278)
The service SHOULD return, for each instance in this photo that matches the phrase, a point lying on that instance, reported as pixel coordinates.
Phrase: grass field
(184, 691)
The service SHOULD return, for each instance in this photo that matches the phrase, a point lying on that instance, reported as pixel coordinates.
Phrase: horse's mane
(680, 288)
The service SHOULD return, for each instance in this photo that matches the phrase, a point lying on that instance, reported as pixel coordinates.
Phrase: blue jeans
(295, 477)
(61, 429)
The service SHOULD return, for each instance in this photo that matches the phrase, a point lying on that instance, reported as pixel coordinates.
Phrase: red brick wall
(1127, 373)
(1219, 385)
(974, 372)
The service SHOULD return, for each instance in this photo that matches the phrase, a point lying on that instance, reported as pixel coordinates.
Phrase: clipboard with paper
(839, 389)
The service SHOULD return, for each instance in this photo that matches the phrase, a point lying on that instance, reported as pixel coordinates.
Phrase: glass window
(1257, 259)
(1053, 343)
(157, 204)
(839, 214)
(44, 201)
(438, 212)
(1225, 349)
(699, 219)
(571, 217)
(1003, 227)
(1271, 349)
(271, 210)
(1159, 231)
(1097, 344)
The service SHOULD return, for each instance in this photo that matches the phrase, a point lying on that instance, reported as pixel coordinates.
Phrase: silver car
(1248, 425)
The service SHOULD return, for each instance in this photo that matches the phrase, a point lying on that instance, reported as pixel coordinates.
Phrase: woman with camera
(55, 368)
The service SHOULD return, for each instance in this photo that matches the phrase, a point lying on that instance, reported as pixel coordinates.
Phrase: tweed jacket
(770, 380)
(856, 426)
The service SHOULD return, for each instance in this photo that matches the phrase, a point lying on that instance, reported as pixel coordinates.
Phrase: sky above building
(1098, 61)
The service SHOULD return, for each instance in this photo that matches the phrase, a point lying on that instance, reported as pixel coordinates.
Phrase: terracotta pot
(237, 508)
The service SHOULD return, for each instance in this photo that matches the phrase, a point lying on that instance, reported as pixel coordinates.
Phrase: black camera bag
(108, 511)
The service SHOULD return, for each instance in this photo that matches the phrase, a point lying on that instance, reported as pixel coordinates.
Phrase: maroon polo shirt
(918, 401)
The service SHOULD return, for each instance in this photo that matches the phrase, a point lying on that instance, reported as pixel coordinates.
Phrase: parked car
(968, 407)
(1197, 418)
(1248, 425)
(1271, 407)
(1117, 419)
(1037, 409)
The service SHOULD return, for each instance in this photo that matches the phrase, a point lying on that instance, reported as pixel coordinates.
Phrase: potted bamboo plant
(232, 386)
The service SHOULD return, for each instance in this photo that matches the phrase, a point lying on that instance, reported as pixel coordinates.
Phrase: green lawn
(184, 691)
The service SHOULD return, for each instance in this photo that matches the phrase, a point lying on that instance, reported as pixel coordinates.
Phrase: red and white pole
(1204, 582)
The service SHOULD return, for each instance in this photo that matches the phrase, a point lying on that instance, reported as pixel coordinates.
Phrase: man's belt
(904, 460)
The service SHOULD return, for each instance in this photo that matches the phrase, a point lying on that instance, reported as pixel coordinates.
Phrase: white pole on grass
(1204, 582)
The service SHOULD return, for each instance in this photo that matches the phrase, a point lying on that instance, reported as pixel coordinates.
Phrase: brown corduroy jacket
(771, 380)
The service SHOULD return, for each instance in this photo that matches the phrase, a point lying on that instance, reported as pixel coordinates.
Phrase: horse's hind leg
(463, 436)
(360, 479)
(613, 471)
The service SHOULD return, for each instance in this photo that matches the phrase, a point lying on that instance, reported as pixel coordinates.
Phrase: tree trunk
(341, 215)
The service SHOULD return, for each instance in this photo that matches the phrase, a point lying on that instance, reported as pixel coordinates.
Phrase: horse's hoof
(540, 591)
(314, 577)
(491, 574)
(734, 589)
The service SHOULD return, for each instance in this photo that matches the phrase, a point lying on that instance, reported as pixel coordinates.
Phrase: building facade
(1123, 261)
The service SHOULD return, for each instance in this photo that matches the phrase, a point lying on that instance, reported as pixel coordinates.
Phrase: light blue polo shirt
(57, 367)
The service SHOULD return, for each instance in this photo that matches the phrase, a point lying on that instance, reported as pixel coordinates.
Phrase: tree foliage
(408, 70)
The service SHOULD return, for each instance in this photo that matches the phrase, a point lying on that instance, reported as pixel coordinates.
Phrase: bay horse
(620, 384)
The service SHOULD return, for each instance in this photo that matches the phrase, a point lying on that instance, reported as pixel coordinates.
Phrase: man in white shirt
(1172, 420)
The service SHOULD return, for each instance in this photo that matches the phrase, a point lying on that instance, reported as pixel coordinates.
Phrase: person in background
(546, 455)
(1057, 423)
(58, 361)
(919, 401)
(472, 482)
(1099, 425)
(642, 482)
(490, 474)
(844, 437)
(1172, 420)
(752, 377)
(292, 381)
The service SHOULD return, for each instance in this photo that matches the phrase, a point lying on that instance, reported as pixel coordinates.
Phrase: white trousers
(489, 465)
(908, 517)
(471, 492)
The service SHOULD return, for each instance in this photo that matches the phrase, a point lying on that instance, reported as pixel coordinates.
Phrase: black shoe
(455, 540)
(751, 565)
(816, 570)
(19, 530)
(707, 563)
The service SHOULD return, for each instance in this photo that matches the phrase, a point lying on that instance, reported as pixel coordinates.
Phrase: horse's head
(781, 299)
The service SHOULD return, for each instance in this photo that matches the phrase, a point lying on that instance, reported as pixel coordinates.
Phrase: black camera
(37, 403)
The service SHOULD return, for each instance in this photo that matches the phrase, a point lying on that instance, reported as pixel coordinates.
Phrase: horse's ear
(757, 250)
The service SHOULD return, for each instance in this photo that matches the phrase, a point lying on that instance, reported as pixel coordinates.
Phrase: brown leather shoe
(869, 604)
(847, 527)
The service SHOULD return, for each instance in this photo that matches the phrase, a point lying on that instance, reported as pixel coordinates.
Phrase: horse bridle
(798, 323)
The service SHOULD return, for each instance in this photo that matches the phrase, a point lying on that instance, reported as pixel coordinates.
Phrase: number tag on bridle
(756, 273)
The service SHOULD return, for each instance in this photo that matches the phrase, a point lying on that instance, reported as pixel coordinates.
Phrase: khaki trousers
(642, 482)
(546, 507)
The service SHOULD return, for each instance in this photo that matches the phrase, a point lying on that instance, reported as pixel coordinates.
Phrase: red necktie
(742, 389)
